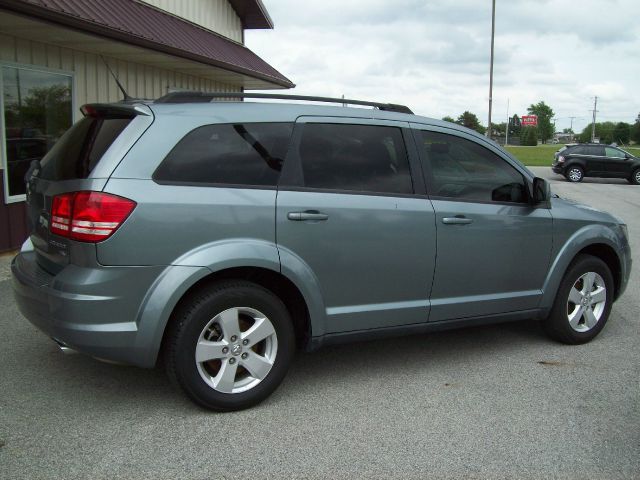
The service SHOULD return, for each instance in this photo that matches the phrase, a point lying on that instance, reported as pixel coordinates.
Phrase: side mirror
(541, 192)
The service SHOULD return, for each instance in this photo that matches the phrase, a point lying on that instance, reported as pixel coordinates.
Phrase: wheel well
(275, 282)
(608, 256)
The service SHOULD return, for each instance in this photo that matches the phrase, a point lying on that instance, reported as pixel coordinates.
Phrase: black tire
(574, 174)
(634, 179)
(557, 325)
(187, 325)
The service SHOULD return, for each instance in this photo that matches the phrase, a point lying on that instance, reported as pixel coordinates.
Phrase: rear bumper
(557, 168)
(91, 310)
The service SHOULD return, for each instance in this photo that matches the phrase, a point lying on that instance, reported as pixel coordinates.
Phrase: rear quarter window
(228, 154)
(80, 149)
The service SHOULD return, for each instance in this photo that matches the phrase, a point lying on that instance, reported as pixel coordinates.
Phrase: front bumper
(91, 310)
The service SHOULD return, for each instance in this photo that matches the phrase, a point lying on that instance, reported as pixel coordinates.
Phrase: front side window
(461, 169)
(614, 152)
(360, 158)
(37, 110)
(228, 154)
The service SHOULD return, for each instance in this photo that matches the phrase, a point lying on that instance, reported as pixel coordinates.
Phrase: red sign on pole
(529, 120)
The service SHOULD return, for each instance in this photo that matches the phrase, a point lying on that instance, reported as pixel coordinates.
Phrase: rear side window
(362, 158)
(78, 151)
(594, 150)
(228, 154)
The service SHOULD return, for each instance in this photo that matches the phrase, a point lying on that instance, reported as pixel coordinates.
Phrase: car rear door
(595, 161)
(494, 247)
(351, 207)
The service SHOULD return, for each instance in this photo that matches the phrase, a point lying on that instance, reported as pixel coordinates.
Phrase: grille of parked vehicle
(221, 236)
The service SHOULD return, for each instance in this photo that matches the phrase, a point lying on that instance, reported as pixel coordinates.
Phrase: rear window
(228, 154)
(78, 151)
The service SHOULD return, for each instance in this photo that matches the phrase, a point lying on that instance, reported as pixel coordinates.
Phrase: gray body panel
(379, 265)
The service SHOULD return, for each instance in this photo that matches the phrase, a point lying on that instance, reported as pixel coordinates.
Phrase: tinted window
(238, 154)
(576, 151)
(594, 150)
(461, 169)
(614, 152)
(362, 158)
(78, 151)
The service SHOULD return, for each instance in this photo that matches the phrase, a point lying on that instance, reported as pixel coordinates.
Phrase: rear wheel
(574, 174)
(634, 179)
(230, 346)
(583, 302)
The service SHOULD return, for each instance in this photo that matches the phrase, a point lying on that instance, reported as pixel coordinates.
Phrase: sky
(433, 55)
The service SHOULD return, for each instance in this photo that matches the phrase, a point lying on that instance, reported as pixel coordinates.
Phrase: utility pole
(493, 32)
(593, 122)
(571, 128)
(506, 138)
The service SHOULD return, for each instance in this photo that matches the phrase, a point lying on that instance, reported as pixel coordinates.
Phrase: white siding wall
(216, 15)
(92, 81)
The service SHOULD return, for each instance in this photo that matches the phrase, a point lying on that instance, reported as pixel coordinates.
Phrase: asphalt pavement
(500, 401)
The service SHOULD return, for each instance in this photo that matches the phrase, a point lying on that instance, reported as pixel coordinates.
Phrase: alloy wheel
(236, 350)
(586, 302)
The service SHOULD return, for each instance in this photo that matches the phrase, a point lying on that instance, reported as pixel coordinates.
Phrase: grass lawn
(542, 155)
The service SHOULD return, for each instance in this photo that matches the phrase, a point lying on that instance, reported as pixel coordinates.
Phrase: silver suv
(220, 237)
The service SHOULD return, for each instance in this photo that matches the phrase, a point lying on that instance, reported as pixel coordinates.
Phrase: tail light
(88, 216)
(560, 159)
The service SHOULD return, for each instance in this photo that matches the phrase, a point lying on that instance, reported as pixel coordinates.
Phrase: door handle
(457, 220)
(308, 215)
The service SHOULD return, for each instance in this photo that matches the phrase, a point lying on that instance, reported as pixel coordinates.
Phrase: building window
(36, 111)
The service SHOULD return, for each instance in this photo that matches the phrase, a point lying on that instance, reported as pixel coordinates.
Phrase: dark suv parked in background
(576, 161)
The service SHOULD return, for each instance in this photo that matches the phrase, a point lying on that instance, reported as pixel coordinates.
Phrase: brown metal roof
(139, 24)
(252, 13)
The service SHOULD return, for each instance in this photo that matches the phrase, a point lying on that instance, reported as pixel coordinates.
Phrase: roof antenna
(124, 92)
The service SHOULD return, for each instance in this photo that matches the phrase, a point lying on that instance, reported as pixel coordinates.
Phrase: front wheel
(574, 174)
(230, 346)
(634, 179)
(583, 302)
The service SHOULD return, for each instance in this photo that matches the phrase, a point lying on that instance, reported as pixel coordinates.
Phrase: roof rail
(205, 97)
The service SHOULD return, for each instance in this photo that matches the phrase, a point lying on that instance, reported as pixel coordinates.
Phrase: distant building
(50, 65)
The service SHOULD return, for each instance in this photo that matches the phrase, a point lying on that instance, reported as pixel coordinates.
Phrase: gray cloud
(433, 55)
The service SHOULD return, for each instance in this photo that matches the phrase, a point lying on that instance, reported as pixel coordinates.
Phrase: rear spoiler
(114, 110)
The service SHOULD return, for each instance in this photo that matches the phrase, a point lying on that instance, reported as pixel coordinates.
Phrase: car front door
(494, 246)
(351, 208)
(617, 163)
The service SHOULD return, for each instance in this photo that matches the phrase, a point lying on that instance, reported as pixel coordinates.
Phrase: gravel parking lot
(494, 402)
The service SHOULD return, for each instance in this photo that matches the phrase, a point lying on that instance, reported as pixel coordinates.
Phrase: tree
(545, 114)
(635, 130)
(529, 136)
(499, 128)
(568, 130)
(622, 133)
(603, 131)
(448, 119)
(470, 120)
(514, 126)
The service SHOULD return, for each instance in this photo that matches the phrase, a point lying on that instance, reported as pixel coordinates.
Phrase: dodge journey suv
(217, 237)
